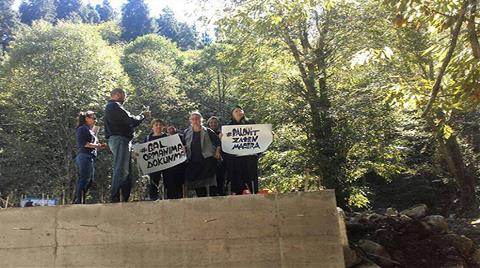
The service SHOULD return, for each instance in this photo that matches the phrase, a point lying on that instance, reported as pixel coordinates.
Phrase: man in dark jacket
(119, 130)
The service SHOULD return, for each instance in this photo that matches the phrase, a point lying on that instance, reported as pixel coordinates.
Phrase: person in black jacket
(242, 171)
(119, 130)
(172, 177)
(214, 124)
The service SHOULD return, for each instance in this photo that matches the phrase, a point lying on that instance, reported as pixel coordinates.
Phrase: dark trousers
(173, 179)
(153, 185)
(243, 173)
(86, 167)
(221, 172)
(202, 192)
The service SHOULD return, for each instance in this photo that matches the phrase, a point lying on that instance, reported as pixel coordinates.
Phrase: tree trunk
(464, 178)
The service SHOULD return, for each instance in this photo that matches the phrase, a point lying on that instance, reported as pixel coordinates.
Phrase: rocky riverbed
(411, 238)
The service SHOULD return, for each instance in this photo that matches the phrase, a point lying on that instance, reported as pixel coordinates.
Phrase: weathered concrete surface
(284, 230)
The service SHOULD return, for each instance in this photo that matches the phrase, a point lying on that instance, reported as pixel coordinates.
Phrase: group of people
(206, 170)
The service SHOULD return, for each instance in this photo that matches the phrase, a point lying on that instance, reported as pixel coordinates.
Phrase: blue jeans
(86, 166)
(122, 167)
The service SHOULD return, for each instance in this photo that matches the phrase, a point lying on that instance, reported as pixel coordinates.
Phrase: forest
(362, 94)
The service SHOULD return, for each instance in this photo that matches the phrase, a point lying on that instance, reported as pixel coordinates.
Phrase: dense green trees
(314, 40)
(52, 73)
(54, 10)
(105, 11)
(184, 35)
(32, 10)
(354, 89)
(445, 87)
(67, 8)
(136, 19)
(8, 22)
(151, 62)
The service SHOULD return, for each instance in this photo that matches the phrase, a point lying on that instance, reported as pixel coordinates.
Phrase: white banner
(160, 154)
(246, 139)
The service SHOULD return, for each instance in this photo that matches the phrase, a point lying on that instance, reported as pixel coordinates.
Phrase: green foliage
(167, 24)
(184, 35)
(135, 20)
(8, 22)
(151, 62)
(89, 14)
(110, 32)
(67, 8)
(342, 85)
(32, 10)
(105, 11)
(52, 73)
(299, 72)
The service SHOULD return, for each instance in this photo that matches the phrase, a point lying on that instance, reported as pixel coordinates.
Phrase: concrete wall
(284, 230)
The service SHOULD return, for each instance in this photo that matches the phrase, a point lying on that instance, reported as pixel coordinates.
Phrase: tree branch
(296, 55)
(446, 61)
(472, 32)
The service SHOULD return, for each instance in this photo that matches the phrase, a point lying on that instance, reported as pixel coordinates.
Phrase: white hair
(197, 113)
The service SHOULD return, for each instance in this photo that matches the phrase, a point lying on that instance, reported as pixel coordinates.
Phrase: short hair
(156, 120)
(212, 118)
(197, 113)
(116, 91)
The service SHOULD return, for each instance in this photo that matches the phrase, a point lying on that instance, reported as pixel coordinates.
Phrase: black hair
(82, 117)
(231, 114)
(116, 91)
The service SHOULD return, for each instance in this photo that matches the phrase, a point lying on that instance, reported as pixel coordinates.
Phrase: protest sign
(246, 139)
(160, 154)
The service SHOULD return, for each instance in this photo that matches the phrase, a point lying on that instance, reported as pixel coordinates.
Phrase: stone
(437, 223)
(376, 252)
(405, 218)
(351, 257)
(367, 264)
(341, 213)
(463, 244)
(391, 212)
(417, 211)
(374, 217)
(475, 257)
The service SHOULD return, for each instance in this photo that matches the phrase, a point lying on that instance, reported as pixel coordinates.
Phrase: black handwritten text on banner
(160, 154)
(246, 139)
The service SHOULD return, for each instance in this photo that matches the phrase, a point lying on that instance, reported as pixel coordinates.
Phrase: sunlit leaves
(52, 73)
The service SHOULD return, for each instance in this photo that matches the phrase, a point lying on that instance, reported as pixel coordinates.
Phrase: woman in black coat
(242, 171)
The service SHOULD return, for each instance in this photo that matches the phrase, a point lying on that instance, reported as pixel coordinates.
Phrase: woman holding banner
(242, 171)
(203, 151)
(172, 177)
(87, 145)
(157, 126)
